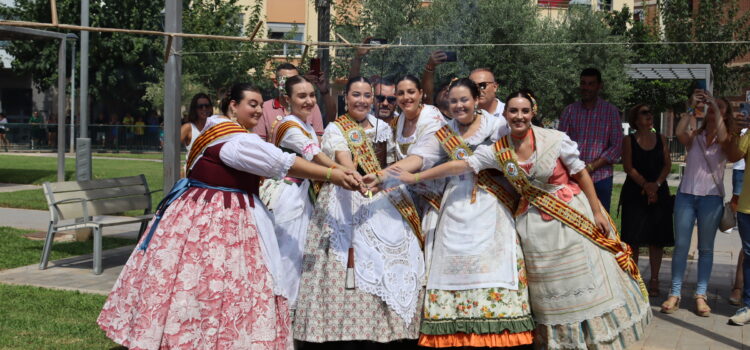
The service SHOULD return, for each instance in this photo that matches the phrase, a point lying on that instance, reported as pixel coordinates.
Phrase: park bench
(83, 204)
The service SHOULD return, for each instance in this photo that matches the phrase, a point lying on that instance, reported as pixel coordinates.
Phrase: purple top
(598, 132)
(698, 179)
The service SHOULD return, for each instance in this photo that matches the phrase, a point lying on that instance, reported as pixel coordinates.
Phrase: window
(605, 5)
(290, 31)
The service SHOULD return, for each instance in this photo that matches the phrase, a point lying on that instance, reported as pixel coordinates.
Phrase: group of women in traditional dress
(472, 232)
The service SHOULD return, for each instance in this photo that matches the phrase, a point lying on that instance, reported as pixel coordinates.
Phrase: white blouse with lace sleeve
(293, 139)
(249, 153)
(570, 156)
(483, 158)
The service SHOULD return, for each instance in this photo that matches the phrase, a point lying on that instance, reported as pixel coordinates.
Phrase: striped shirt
(598, 132)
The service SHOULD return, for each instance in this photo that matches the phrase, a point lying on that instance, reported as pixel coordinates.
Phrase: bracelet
(329, 172)
(416, 177)
(589, 168)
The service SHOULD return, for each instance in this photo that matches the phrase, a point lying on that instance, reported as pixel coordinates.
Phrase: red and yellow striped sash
(284, 127)
(559, 210)
(457, 149)
(206, 138)
(365, 157)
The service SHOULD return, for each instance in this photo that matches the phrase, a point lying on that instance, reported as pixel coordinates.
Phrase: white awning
(672, 71)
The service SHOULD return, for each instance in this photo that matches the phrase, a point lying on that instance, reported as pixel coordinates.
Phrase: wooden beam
(255, 31)
(53, 8)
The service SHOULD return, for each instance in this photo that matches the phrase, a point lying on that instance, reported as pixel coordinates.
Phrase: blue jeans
(743, 224)
(737, 177)
(603, 189)
(707, 210)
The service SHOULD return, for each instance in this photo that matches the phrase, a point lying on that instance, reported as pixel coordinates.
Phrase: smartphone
(701, 84)
(377, 41)
(315, 67)
(451, 56)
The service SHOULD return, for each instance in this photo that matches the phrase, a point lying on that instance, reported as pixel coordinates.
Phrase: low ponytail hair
(236, 93)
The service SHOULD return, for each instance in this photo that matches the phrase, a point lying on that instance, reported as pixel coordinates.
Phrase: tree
(120, 62)
(710, 20)
(475, 25)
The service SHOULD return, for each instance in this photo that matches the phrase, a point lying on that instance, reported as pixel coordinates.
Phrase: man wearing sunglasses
(488, 101)
(596, 126)
(385, 100)
(275, 109)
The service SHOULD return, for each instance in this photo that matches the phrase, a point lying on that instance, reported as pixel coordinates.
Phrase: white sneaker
(741, 317)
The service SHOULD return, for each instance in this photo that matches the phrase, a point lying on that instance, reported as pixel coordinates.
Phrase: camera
(451, 56)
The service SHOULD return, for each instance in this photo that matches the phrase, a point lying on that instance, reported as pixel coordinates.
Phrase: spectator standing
(596, 126)
(140, 131)
(152, 128)
(485, 79)
(645, 196)
(3, 131)
(52, 130)
(113, 136)
(199, 111)
(128, 122)
(700, 196)
(99, 129)
(37, 132)
(742, 282)
(275, 109)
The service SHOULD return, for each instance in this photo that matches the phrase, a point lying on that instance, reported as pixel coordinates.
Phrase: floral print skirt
(482, 317)
(201, 284)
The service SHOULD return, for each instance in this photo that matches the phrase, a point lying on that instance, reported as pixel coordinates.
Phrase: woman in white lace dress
(291, 199)
(363, 266)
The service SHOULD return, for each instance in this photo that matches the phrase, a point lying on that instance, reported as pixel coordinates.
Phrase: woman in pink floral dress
(208, 275)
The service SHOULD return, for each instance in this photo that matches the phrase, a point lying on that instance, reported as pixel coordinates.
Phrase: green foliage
(120, 63)
(217, 64)
(711, 20)
(551, 71)
(38, 318)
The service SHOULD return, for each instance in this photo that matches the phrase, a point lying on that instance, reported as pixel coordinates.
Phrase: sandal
(653, 287)
(670, 305)
(702, 310)
(735, 298)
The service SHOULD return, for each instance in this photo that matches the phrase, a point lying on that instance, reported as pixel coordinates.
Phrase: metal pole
(84, 70)
(324, 34)
(73, 98)
(61, 111)
(83, 143)
(172, 94)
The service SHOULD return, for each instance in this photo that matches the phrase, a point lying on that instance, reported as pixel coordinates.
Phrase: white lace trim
(388, 262)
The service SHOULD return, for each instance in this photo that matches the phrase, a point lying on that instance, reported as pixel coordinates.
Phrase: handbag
(728, 217)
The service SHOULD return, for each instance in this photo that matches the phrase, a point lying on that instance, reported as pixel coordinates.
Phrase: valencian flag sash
(556, 208)
(457, 149)
(213, 133)
(315, 186)
(364, 156)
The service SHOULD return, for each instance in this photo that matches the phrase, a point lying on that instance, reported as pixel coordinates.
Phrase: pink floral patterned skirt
(202, 283)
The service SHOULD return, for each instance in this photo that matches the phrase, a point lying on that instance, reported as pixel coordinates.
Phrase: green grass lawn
(36, 170)
(36, 318)
(16, 250)
(158, 156)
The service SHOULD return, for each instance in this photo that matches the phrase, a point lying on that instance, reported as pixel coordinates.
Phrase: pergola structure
(672, 71)
(20, 33)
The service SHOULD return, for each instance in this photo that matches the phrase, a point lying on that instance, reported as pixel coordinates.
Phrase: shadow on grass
(30, 176)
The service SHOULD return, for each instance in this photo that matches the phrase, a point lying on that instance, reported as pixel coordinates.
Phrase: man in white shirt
(485, 80)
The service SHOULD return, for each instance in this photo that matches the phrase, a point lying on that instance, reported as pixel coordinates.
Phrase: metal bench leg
(47, 247)
(97, 250)
(144, 224)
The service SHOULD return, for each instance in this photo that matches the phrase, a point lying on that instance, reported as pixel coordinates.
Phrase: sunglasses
(203, 105)
(484, 85)
(381, 98)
